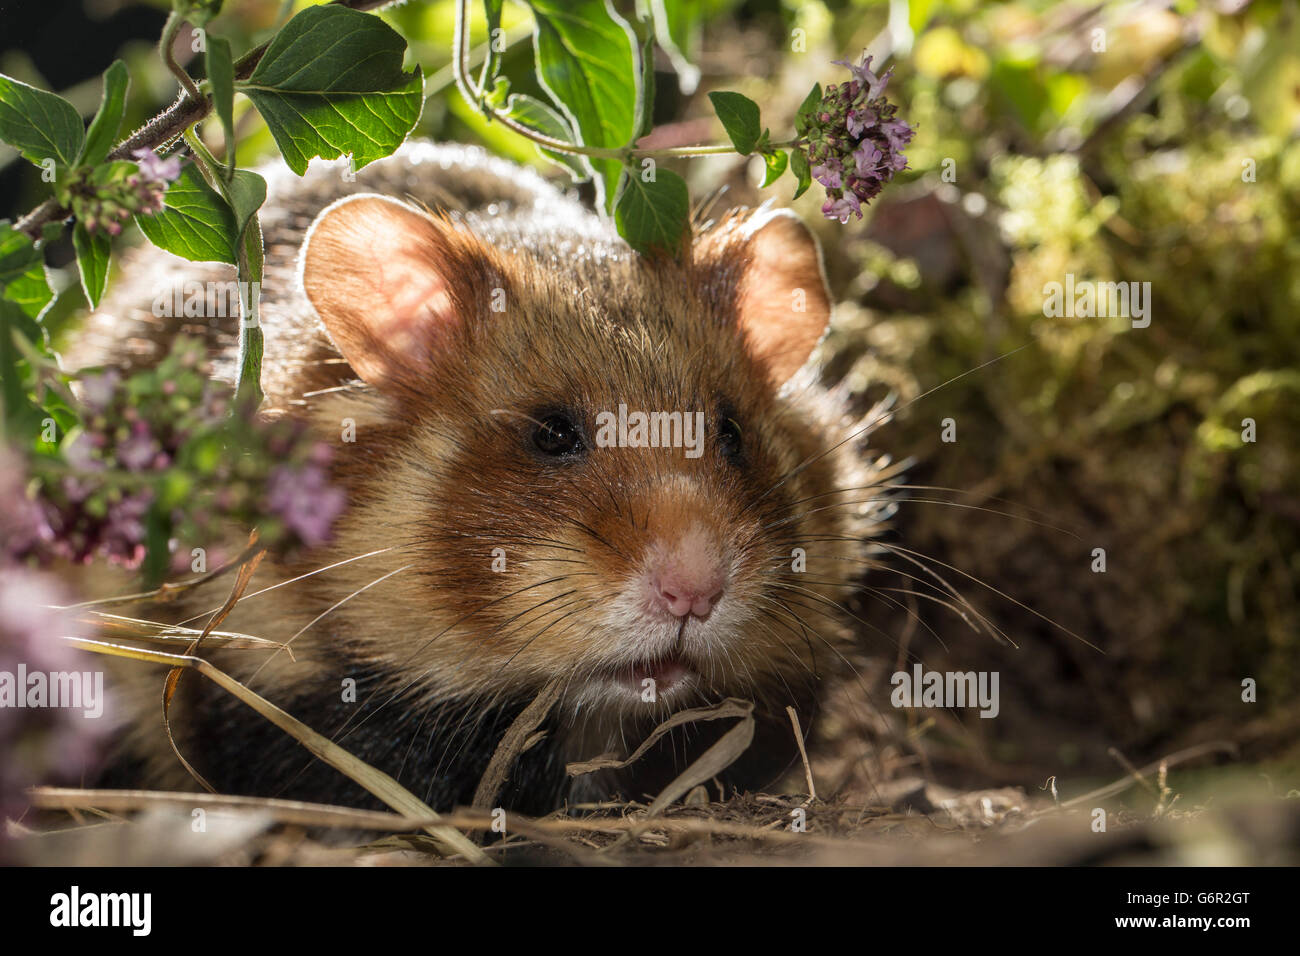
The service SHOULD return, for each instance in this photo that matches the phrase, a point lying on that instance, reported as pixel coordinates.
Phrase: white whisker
(326, 612)
(328, 567)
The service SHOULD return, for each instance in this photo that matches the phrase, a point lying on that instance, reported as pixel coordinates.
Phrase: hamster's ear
(390, 284)
(782, 303)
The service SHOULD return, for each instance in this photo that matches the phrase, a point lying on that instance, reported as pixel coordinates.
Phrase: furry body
(511, 304)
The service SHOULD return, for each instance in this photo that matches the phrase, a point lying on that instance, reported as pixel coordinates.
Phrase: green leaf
(799, 166)
(196, 222)
(653, 216)
(492, 66)
(806, 109)
(1018, 87)
(221, 76)
(499, 95)
(26, 295)
(739, 115)
(331, 83)
(918, 14)
(104, 127)
(31, 291)
(1063, 89)
(93, 251)
(17, 253)
(247, 192)
(536, 115)
(20, 416)
(776, 161)
(587, 61)
(678, 27)
(38, 124)
(197, 12)
(22, 273)
(644, 31)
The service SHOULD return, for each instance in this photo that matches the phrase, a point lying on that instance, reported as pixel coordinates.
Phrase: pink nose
(682, 590)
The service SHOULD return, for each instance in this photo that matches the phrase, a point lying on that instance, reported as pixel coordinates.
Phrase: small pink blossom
(156, 169)
(305, 500)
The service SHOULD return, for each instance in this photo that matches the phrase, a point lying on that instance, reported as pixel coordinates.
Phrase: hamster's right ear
(390, 283)
(773, 267)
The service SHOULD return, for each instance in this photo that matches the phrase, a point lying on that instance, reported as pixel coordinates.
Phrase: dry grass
(923, 825)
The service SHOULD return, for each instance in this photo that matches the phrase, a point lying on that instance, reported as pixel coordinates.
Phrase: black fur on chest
(438, 753)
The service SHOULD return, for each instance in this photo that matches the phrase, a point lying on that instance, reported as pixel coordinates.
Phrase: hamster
(477, 345)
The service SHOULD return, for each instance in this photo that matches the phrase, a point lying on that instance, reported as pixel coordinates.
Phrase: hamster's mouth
(667, 673)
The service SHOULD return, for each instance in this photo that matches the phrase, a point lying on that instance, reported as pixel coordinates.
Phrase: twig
(1141, 96)
(449, 840)
(283, 811)
(1133, 771)
(1119, 786)
(517, 739)
(166, 591)
(246, 571)
(798, 739)
(141, 630)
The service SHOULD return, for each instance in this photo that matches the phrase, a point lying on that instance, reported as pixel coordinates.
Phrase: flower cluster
(105, 196)
(39, 743)
(161, 455)
(854, 141)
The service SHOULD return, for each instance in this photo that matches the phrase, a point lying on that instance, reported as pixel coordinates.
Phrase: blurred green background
(1133, 142)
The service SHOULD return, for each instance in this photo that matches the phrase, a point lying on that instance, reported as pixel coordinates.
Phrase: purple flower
(859, 121)
(32, 622)
(899, 134)
(862, 75)
(123, 533)
(155, 169)
(827, 176)
(40, 743)
(852, 140)
(138, 450)
(24, 526)
(81, 458)
(867, 159)
(842, 208)
(305, 500)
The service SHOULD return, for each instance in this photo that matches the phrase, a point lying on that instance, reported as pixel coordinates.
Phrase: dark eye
(556, 435)
(729, 438)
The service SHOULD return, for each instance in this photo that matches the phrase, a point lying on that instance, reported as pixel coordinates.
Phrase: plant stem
(248, 263)
(165, 45)
(248, 384)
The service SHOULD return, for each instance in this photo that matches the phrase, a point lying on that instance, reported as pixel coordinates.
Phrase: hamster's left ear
(782, 303)
(392, 286)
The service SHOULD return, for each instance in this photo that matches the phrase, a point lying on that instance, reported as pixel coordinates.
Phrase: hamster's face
(598, 474)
